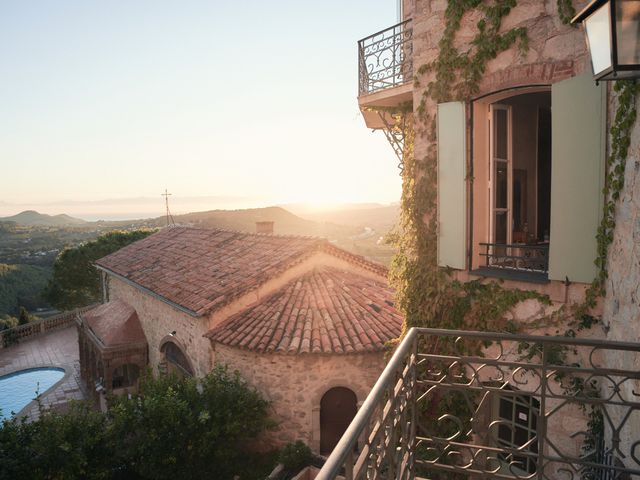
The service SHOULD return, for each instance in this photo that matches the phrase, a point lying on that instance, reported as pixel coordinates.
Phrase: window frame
(532, 404)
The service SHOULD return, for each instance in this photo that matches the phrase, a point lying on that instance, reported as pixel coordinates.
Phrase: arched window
(177, 361)
(125, 376)
(337, 408)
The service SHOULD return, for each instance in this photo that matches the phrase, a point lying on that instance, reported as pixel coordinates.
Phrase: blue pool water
(19, 388)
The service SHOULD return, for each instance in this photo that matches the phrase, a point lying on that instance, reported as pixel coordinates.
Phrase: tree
(189, 428)
(21, 284)
(75, 281)
(74, 444)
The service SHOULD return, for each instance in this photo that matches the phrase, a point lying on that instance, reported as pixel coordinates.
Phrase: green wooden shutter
(577, 177)
(451, 185)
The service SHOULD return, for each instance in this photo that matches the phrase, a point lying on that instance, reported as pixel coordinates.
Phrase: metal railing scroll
(457, 404)
(385, 59)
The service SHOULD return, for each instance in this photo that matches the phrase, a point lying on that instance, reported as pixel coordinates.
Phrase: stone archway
(175, 358)
(338, 406)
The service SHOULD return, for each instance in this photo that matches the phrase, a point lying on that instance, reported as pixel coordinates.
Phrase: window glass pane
(521, 436)
(504, 434)
(628, 31)
(500, 227)
(506, 408)
(597, 26)
(501, 185)
(501, 133)
(174, 355)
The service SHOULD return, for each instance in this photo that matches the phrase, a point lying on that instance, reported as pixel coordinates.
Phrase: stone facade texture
(622, 302)
(295, 385)
(556, 52)
(159, 319)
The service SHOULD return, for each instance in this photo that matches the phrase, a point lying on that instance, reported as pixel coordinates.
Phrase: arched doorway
(177, 362)
(337, 409)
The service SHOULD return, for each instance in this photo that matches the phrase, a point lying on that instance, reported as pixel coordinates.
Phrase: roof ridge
(354, 258)
(231, 230)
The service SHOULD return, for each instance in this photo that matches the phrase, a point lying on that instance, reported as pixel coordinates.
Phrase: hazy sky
(115, 99)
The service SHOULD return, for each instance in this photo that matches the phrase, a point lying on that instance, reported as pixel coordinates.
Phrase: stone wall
(159, 319)
(295, 385)
(556, 52)
(622, 302)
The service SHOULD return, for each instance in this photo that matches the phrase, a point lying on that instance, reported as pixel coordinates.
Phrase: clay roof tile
(201, 270)
(326, 311)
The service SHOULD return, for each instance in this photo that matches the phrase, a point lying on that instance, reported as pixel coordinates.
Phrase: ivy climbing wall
(622, 301)
(464, 49)
(622, 304)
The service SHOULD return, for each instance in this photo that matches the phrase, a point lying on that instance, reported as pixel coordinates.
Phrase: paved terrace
(57, 348)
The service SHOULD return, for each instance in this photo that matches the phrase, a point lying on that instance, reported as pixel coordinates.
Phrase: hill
(33, 218)
(286, 223)
(380, 218)
(358, 229)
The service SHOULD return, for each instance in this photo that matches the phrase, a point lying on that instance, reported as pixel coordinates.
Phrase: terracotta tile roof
(202, 270)
(325, 311)
(115, 323)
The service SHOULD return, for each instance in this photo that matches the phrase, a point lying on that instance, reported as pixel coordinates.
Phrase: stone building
(113, 349)
(304, 322)
(520, 171)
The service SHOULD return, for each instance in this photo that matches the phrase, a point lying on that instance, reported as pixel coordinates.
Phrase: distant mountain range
(33, 218)
(292, 219)
(358, 228)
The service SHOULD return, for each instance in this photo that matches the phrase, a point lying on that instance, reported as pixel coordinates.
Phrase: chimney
(264, 227)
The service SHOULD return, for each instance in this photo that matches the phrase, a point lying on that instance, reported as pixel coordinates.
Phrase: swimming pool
(19, 388)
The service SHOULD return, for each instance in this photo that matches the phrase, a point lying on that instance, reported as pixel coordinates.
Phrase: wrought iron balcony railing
(385, 59)
(454, 404)
(517, 256)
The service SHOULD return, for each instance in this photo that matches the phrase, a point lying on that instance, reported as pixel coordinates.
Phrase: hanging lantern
(612, 28)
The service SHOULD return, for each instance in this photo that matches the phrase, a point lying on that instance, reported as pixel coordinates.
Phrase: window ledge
(506, 274)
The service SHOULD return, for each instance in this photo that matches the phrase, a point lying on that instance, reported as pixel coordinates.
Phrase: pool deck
(58, 348)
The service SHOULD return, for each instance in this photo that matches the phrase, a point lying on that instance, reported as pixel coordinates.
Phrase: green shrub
(295, 456)
(172, 429)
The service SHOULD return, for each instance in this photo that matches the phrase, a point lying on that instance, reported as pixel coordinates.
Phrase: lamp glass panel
(628, 31)
(598, 26)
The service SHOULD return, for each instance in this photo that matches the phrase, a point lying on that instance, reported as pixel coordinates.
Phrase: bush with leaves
(74, 444)
(172, 429)
(295, 456)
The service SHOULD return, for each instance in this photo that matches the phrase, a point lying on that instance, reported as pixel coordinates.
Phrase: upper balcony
(385, 67)
(478, 405)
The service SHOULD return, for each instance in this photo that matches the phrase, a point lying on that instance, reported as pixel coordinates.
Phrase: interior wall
(525, 141)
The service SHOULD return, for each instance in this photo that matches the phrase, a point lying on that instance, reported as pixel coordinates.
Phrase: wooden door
(337, 409)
